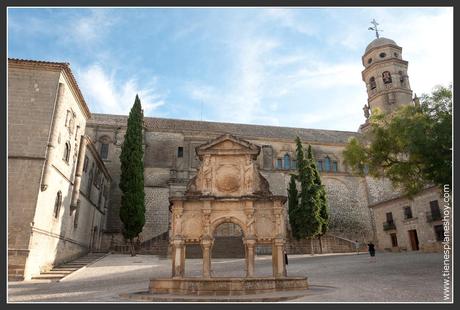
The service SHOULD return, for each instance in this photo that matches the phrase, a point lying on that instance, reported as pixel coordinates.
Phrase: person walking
(357, 247)
(371, 248)
(285, 257)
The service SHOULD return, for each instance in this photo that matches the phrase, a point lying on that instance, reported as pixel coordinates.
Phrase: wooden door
(413, 239)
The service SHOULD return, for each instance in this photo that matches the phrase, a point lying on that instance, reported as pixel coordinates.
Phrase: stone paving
(394, 277)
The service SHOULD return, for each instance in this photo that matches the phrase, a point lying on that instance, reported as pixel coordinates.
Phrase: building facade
(404, 224)
(64, 168)
(51, 219)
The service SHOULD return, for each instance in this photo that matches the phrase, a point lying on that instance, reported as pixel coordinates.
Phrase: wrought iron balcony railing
(431, 217)
(389, 225)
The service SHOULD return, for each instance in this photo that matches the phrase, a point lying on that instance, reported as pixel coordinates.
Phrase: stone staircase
(158, 245)
(63, 270)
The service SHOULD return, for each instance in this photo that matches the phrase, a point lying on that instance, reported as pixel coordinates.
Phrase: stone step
(64, 269)
(60, 271)
(73, 265)
(48, 277)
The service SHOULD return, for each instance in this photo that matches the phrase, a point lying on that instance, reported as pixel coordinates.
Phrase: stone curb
(82, 268)
(144, 297)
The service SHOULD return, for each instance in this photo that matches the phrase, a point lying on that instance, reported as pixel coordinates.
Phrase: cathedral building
(64, 171)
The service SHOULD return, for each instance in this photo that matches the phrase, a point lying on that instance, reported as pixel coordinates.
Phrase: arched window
(104, 150)
(66, 155)
(57, 204)
(327, 164)
(372, 83)
(401, 77)
(386, 76)
(287, 161)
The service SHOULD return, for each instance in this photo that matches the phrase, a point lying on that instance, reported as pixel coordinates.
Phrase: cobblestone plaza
(394, 277)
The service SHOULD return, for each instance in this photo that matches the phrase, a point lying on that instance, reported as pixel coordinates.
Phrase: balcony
(431, 217)
(389, 225)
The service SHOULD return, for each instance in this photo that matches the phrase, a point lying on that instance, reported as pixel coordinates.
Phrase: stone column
(250, 253)
(178, 257)
(52, 142)
(278, 262)
(206, 243)
(78, 173)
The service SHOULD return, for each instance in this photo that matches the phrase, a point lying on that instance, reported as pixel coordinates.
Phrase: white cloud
(427, 44)
(105, 94)
(92, 26)
(287, 18)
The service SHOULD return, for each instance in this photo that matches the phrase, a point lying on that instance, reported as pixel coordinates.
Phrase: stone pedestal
(226, 286)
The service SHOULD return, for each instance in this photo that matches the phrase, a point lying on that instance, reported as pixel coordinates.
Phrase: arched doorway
(228, 241)
(228, 251)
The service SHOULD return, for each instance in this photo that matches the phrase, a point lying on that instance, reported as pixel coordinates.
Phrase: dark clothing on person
(371, 248)
(285, 258)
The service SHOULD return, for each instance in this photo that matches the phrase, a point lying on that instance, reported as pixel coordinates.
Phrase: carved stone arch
(106, 139)
(228, 219)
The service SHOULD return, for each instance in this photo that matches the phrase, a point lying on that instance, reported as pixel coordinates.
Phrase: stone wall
(165, 172)
(31, 95)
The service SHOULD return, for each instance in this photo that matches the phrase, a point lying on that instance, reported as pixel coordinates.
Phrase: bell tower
(385, 75)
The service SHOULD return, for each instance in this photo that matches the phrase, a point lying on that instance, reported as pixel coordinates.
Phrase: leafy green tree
(132, 211)
(305, 219)
(412, 146)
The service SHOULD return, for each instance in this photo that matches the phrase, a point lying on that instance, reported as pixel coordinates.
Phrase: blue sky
(297, 67)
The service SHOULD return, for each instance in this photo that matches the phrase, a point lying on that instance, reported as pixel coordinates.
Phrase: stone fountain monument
(228, 188)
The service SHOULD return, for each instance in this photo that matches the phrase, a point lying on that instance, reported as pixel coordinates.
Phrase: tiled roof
(240, 130)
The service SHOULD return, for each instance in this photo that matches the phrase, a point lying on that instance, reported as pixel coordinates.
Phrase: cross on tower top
(373, 22)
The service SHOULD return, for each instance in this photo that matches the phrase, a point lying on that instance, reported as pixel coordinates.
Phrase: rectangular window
(180, 152)
(104, 150)
(76, 132)
(434, 206)
(334, 166)
(67, 118)
(76, 214)
(407, 212)
(320, 165)
(294, 164)
(85, 164)
(279, 163)
(389, 217)
(439, 231)
(394, 240)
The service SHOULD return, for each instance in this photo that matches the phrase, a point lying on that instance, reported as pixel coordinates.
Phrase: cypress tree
(312, 204)
(304, 219)
(322, 199)
(132, 211)
(293, 204)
